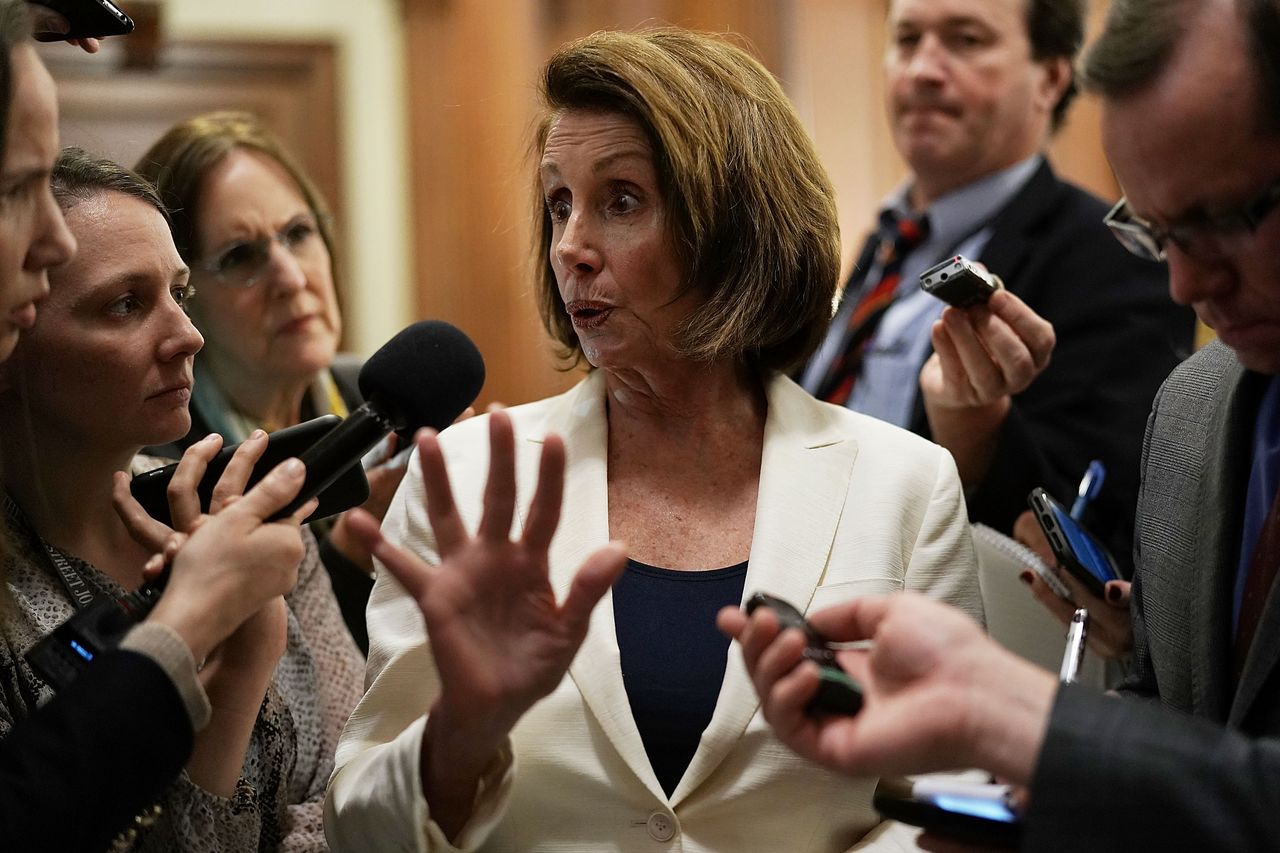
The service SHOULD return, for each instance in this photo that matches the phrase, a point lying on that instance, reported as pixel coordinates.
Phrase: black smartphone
(980, 815)
(1078, 550)
(74, 19)
(959, 281)
(349, 490)
(838, 693)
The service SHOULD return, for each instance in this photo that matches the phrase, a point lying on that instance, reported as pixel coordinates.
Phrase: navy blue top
(672, 655)
(1264, 482)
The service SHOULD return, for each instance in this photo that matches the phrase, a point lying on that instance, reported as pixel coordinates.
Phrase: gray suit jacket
(1203, 771)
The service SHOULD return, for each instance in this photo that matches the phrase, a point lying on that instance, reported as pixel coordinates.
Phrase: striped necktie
(897, 236)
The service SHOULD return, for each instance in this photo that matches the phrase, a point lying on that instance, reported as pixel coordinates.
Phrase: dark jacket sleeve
(77, 772)
(1120, 775)
(1118, 336)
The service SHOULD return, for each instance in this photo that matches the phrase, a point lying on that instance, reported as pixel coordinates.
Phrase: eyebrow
(637, 153)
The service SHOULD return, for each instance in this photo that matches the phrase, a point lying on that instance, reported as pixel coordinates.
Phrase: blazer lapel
(804, 479)
(1216, 553)
(584, 527)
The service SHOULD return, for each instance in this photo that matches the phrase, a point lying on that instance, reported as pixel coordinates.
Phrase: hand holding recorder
(923, 657)
(983, 356)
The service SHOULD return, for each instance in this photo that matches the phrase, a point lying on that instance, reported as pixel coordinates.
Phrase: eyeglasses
(243, 263)
(1205, 237)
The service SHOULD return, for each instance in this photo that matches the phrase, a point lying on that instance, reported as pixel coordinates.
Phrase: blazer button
(661, 826)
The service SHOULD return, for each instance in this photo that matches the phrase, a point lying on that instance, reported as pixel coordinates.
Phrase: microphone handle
(343, 447)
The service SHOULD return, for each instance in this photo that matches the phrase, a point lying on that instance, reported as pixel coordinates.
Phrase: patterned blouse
(290, 753)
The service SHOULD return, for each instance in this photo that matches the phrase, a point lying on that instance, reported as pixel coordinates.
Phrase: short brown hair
(178, 162)
(79, 176)
(1055, 29)
(1140, 37)
(751, 210)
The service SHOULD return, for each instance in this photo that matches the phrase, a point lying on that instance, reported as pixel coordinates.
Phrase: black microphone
(423, 377)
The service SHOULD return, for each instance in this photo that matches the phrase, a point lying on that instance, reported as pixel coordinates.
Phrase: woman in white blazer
(569, 692)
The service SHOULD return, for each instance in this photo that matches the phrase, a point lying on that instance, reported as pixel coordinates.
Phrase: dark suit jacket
(1128, 774)
(75, 773)
(1118, 336)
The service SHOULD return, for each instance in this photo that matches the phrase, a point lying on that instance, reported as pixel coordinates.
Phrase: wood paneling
(118, 111)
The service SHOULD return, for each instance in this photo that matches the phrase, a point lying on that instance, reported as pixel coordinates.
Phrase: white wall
(372, 123)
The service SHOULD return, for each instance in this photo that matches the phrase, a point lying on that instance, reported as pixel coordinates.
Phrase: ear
(1057, 76)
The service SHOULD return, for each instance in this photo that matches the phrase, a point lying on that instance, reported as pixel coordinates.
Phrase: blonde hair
(751, 209)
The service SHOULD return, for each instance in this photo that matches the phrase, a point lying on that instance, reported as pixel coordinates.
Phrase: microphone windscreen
(425, 376)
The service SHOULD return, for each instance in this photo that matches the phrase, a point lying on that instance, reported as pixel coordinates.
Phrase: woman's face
(108, 363)
(33, 235)
(285, 327)
(611, 246)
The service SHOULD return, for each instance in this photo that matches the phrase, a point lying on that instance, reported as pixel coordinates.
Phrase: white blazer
(848, 506)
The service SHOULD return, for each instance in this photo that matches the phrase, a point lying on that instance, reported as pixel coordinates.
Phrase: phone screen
(974, 807)
(1088, 550)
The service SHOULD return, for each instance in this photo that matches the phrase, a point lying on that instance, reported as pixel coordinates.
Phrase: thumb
(593, 580)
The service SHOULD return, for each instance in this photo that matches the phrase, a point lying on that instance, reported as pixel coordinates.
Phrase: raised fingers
(413, 574)
(500, 488)
(592, 581)
(544, 512)
(239, 468)
(442, 512)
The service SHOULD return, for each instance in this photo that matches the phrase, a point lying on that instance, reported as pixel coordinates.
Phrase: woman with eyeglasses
(257, 235)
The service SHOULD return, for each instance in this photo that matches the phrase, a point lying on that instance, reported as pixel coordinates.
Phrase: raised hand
(500, 639)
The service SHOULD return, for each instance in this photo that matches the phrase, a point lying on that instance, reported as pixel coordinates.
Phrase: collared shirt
(889, 381)
(1264, 482)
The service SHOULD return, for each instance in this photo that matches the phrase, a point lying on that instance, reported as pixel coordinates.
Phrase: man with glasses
(974, 90)
(1191, 124)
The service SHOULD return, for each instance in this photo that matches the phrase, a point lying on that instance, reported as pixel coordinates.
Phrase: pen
(1074, 653)
(1090, 485)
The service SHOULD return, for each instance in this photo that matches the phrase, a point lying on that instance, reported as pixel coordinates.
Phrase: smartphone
(349, 490)
(959, 281)
(973, 814)
(838, 693)
(79, 19)
(1078, 550)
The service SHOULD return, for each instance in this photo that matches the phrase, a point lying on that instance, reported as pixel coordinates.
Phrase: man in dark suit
(974, 89)
(1191, 93)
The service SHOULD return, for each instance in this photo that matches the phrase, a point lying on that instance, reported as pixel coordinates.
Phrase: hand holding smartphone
(969, 812)
(1078, 550)
(351, 488)
(59, 20)
(960, 282)
(837, 692)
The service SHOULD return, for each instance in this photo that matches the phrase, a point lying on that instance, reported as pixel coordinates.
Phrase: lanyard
(81, 590)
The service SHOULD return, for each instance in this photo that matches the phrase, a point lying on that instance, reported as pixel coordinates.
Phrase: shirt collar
(963, 211)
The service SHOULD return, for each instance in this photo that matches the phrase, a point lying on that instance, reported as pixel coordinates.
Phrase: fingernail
(292, 467)
(257, 433)
(1113, 594)
(1025, 577)
(210, 437)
